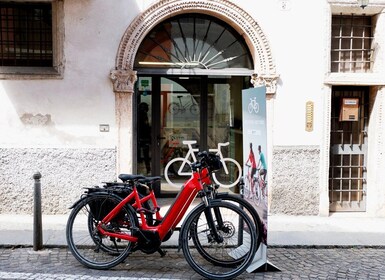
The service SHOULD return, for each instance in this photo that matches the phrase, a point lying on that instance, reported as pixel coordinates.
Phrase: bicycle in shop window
(179, 168)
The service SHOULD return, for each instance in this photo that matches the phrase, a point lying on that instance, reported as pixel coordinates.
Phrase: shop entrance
(348, 148)
(173, 109)
(191, 72)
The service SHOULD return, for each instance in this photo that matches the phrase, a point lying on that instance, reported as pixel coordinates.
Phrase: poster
(255, 161)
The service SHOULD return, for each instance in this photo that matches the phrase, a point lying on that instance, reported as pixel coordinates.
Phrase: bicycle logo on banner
(253, 106)
(228, 177)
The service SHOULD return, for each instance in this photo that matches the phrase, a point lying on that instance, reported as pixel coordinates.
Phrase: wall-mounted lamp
(363, 3)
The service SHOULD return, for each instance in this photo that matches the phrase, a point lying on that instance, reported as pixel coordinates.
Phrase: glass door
(224, 125)
(144, 126)
(179, 122)
(180, 115)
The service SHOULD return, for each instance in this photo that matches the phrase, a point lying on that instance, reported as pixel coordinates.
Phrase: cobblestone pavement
(294, 263)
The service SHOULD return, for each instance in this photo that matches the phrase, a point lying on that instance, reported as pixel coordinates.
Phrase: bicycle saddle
(130, 177)
(149, 180)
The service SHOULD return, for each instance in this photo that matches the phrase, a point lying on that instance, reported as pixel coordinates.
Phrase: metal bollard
(37, 218)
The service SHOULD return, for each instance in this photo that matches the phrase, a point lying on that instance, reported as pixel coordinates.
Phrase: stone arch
(240, 20)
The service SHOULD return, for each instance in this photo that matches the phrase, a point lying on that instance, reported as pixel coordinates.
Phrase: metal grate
(351, 44)
(26, 34)
(347, 171)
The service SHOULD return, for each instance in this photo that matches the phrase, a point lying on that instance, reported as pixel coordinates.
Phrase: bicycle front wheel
(87, 244)
(219, 241)
(229, 175)
(174, 108)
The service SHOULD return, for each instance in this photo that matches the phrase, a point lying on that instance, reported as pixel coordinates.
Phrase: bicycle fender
(88, 194)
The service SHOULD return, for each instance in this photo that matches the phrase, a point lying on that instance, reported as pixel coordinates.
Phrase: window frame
(352, 40)
(57, 69)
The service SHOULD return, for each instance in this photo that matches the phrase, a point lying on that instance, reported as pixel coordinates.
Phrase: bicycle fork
(214, 234)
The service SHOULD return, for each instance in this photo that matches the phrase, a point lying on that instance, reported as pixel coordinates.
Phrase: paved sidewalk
(336, 230)
(294, 263)
(335, 247)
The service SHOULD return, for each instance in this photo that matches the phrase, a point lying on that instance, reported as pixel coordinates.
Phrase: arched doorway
(191, 69)
(124, 76)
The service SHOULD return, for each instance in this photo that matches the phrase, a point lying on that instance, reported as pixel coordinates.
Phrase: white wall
(83, 99)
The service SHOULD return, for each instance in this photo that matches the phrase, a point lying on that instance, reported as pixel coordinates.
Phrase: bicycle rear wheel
(223, 258)
(177, 171)
(87, 244)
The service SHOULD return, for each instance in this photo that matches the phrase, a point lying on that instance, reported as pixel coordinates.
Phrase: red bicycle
(218, 238)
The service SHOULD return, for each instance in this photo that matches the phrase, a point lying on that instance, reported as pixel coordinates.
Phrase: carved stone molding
(270, 81)
(223, 9)
(123, 80)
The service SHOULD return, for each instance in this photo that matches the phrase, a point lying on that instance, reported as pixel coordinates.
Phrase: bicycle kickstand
(162, 252)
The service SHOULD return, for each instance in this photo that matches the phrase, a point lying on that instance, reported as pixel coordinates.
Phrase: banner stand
(260, 263)
(255, 169)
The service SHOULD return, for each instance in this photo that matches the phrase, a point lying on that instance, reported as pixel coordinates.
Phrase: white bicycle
(180, 168)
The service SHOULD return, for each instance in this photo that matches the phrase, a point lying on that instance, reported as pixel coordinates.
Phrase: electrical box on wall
(349, 109)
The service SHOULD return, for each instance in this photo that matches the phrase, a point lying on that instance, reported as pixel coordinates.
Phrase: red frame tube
(173, 216)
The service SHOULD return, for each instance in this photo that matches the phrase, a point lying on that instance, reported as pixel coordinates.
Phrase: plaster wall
(52, 125)
(67, 112)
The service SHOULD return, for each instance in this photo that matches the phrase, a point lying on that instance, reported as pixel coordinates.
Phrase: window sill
(354, 79)
(27, 73)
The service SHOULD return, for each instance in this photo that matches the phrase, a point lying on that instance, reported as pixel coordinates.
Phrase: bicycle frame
(173, 216)
(190, 152)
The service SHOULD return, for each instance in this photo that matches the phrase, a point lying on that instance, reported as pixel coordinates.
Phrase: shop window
(351, 43)
(29, 38)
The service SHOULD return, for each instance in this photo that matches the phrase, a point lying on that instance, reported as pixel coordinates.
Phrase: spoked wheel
(87, 244)
(226, 254)
(248, 208)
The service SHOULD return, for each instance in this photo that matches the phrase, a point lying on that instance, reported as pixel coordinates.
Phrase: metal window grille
(351, 44)
(26, 34)
(348, 153)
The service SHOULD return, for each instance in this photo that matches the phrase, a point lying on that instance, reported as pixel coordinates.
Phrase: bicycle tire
(81, 242)
(248, 208)
(196, 236)
(233, 176)
(93, 220)
(258, 195)
(173, 108)
(194, 109)
(173, 167)
(250, 211)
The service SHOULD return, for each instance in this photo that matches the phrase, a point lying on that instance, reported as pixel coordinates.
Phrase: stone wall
(295, 182)
(64, 173)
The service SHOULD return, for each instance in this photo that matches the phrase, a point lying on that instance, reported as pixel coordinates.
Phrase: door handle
(158, 138)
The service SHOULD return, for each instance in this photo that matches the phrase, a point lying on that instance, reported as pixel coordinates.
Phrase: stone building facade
(76, 121)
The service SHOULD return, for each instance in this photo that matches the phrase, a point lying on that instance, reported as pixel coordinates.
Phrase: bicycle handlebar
(223, 144)
(187, 142)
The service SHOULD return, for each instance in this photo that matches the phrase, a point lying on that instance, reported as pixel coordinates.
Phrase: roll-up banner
(255, 164)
